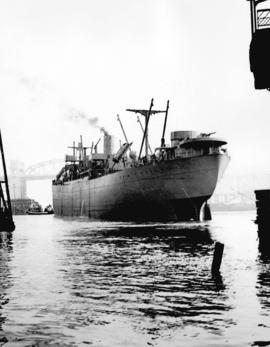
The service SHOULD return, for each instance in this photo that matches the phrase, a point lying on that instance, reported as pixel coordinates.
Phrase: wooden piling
(217, 258)
(263, 219)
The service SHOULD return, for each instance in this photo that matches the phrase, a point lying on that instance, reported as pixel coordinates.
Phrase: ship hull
(165, 191)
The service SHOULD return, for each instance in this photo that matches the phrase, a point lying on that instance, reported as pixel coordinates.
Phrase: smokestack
(108, 144)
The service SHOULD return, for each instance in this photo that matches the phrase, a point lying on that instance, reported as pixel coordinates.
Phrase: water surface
(77, 283)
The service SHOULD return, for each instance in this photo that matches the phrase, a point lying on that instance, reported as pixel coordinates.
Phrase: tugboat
(171, 184)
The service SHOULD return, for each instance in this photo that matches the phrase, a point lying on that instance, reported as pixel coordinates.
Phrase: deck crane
(124, 133)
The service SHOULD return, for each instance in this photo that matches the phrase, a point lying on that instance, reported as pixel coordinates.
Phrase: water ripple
(78, 283)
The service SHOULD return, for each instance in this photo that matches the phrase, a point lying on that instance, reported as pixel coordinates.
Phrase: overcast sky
(62, 58)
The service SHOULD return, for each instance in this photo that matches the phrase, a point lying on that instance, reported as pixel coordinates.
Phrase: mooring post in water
(218, 253)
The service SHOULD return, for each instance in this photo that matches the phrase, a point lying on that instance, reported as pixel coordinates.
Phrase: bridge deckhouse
(191, 143)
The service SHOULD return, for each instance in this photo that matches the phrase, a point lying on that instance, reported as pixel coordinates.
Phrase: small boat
(49, 209)
(36, 209)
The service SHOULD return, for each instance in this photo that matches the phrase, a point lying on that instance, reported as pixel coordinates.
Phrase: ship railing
(189, 153)
(214, 150)
(201, 152)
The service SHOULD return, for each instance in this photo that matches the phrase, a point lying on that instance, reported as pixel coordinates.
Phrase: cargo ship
(169, 184)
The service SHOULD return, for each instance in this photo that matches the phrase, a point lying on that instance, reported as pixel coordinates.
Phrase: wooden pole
(252, 16)
(6, 215)
(5, 173)
(2, 197)
(218, 253)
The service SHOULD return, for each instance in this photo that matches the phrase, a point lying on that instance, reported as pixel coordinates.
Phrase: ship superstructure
(170, 184)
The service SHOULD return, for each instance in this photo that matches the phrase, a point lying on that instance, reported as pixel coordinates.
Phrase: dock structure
(263, 218)
(259, 53)
(6, 219)
(263, 207)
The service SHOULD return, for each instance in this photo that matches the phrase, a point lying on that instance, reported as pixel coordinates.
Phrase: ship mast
(80, 149)
(139, 121)
(147, 114)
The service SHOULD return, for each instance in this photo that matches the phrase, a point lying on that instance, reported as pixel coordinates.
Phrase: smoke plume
(105, 132)
(77, 116)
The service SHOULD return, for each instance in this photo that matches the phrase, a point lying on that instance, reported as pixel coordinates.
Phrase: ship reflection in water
(75, 283)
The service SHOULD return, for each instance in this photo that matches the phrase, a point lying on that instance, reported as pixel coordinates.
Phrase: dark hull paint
(175, 210)
(167, 191)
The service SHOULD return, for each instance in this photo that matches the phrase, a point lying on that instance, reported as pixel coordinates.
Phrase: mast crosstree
(147, 114)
